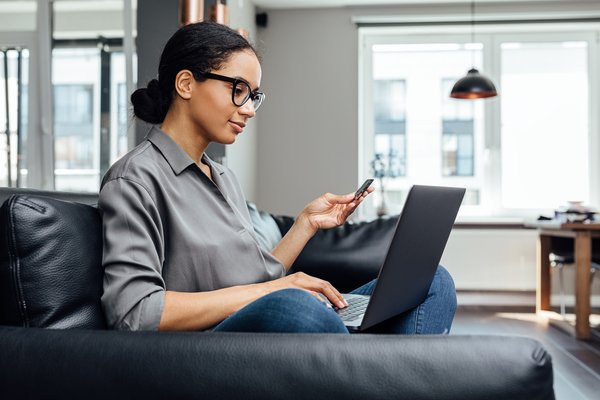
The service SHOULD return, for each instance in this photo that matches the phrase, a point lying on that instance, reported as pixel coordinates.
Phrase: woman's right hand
(315, 286)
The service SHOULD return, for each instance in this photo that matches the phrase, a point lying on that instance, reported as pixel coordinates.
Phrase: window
(519, 154)
(545, 122)
(71, 79)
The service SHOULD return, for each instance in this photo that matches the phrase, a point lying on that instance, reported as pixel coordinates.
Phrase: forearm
(290, 246)
(184, 311)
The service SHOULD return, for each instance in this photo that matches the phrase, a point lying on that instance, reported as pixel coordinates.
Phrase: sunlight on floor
(529, 317)
(545, 316)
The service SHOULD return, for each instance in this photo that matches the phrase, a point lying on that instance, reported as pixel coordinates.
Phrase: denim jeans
(296, 310)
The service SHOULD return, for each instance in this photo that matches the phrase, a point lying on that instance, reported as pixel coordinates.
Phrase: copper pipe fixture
(219, 14)
(190, 11)
(244, 33)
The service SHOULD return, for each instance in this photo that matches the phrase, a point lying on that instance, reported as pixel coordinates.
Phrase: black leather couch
(54, 342)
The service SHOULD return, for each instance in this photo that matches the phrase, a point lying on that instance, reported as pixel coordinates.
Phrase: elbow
(142, 316)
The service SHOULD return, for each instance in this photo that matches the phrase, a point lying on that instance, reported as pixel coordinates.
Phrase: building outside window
(81, 82)
(390, 124)
(73, 126)
(458, 157)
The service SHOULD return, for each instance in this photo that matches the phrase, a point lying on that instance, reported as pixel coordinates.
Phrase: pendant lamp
(474, 85)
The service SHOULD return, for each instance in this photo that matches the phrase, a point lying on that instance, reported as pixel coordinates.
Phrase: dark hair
(200, 48)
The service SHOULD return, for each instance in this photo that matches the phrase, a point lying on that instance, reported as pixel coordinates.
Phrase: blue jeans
(296, 310)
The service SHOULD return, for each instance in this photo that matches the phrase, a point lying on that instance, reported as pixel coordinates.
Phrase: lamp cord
(472, 34)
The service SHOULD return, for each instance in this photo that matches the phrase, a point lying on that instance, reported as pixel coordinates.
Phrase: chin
(224, 138)
(230, 140)
(227, 140)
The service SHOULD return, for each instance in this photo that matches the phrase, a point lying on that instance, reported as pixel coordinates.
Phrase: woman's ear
(183, 84)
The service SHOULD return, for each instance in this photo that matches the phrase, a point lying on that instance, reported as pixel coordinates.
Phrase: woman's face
(211, 108)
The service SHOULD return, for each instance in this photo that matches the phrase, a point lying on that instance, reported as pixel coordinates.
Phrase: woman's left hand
(330, 210)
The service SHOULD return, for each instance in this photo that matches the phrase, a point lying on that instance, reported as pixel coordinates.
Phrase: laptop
(414, 253)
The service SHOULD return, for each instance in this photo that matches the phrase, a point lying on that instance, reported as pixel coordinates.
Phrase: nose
(247, 109)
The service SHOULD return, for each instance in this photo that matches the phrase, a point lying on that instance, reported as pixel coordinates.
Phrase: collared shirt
(167, 226)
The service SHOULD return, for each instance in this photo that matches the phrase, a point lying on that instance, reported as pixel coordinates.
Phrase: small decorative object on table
(575, 211)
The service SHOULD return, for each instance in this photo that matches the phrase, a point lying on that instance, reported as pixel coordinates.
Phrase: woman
(179, 248)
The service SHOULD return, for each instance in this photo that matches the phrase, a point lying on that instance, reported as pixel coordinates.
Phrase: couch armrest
(111, 364)
(347, 256)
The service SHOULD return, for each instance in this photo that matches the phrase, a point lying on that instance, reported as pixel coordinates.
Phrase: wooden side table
(582, 233)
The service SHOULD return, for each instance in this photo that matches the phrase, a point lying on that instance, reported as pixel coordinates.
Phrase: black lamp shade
(473, 86)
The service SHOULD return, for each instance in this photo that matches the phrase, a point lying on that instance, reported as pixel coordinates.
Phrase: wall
(157, 20)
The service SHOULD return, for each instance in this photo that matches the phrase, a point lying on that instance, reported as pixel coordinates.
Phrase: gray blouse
(166, 226)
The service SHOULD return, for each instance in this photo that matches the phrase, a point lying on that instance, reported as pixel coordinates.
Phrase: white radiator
(498, 259)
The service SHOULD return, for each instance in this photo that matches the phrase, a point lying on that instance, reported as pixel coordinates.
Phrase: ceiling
(278, 4)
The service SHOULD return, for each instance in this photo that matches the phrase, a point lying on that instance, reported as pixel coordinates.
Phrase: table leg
(583, 258)
(542, 293)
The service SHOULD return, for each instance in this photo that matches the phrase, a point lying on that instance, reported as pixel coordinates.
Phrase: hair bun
(149, 103)
(154, 90)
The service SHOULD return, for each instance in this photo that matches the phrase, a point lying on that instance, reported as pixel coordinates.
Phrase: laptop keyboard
(356, 307)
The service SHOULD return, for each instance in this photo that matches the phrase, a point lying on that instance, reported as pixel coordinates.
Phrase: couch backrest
(50, 263)
(79, 197)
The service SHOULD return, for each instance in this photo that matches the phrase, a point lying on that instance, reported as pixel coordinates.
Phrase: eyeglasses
(240, 91)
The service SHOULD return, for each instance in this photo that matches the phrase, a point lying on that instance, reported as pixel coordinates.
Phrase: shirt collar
(177, 158)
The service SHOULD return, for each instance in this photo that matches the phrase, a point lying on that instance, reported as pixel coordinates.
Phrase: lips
(237, 126)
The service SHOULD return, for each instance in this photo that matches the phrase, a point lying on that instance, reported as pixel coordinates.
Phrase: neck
(179, 128)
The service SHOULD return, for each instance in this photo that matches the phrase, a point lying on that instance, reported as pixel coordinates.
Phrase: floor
(576, 363)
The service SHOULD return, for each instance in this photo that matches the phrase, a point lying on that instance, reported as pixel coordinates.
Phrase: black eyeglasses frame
(252, 95)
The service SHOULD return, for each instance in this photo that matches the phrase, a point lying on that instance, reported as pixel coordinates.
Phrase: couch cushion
(347, 256)
(50, 263)
(267, 231)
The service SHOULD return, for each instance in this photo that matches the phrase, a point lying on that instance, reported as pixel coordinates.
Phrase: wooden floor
(576, 363)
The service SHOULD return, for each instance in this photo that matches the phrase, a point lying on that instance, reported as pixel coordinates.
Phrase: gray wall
(157, 20)
(308, 141)
(308, 125)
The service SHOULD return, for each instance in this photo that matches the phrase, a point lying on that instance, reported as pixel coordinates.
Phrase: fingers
(347, 198)
(334, 296)
(319, 286)
(339, 199)
(356, 202)
(320, 297)
(330, 292)
(369, 190)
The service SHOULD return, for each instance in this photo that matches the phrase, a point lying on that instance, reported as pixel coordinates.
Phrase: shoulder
(139, 165)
